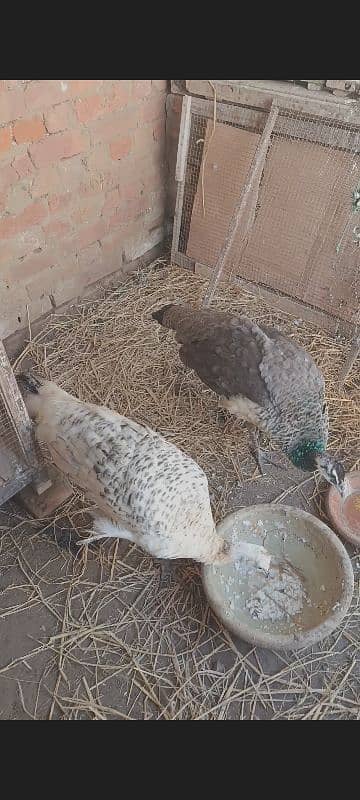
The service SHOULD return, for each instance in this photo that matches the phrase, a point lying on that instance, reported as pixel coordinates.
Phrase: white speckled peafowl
(144, 489)
(261, 376)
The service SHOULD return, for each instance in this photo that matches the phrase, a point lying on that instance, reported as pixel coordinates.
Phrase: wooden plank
(15, 407)
(244, 211)
(52, 496)
(183, 140)
(230, 152)
(312, 130)
(287, 304)
(182, 260)
(180, 169)
(343, 85)
(11, 488)
(259, 94)
(177, 87)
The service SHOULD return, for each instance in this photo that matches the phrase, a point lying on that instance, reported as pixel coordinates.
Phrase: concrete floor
(106, 639)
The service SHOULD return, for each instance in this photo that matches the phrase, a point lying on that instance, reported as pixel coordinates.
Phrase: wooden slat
(244, 211)
(259, 94)
(311, 130)
(16, 409)
(253, 120)
(180, 169)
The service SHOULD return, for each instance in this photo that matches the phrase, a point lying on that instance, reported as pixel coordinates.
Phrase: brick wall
(82, 187)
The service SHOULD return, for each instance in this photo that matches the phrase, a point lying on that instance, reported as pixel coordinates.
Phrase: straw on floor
(112, 624)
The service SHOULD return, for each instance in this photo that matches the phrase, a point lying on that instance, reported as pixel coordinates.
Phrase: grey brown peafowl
(261, 376)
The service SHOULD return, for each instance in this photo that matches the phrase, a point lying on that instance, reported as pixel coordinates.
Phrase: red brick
(144, 139)
(59, 118)
(57, 146)
(120, 172)
(18, 199)
(12, 105)
(57, 227)
(23, 166)
(128, 212)
(60, 281)
(141, 89)
(29, 267)
(159, 130)
(46, 181)
(5, 138)
(161, 86)
(113, 242)
(23, 245)
(112, 125)
(35, 213)
(59, 202)
(120, 147)
(118, 95)
(112, 247)
(8, 177)
(72, 172)
(41, 94)
(91, 185)
(89, 108)
(81, 88)
(89, 255)
(30, 129)
(138, 241)
(87, 209)
(112, 201)
(98, 158)
(152, 174)
(86, 236)
(154, 107)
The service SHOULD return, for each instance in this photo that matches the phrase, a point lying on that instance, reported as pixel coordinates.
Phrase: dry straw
(120, 645)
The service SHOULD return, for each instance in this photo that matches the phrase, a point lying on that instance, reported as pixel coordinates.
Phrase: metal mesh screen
(18, 462)
(306, 234)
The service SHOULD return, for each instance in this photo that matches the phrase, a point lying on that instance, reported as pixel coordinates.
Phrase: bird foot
(221, 417)
(264, 457)
(166, 574)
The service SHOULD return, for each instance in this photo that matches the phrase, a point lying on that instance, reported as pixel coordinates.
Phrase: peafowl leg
(263, 457)
(166, 572)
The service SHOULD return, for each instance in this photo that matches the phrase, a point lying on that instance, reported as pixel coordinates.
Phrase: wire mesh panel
(18, 461)
(305, 237)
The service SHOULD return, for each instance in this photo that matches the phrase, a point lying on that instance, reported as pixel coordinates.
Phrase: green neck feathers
(303, 455)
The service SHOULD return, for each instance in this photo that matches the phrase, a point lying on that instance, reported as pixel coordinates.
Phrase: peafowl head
(310, 455)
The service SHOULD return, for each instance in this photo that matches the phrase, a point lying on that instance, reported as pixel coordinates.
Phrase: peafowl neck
(303, 455)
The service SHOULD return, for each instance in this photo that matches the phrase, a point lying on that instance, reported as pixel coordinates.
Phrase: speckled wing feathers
(136, 478)
(237, 358)
(226, 352)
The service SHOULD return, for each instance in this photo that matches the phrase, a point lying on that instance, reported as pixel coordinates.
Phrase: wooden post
(183, 145)
(16, 410)
(244, 210)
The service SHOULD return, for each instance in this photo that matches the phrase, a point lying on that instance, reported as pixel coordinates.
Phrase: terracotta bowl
(344, 513)
(307, 591)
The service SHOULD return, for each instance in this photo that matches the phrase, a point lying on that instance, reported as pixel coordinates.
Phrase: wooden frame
(294, 98)
(254, 119)
(29, 470)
